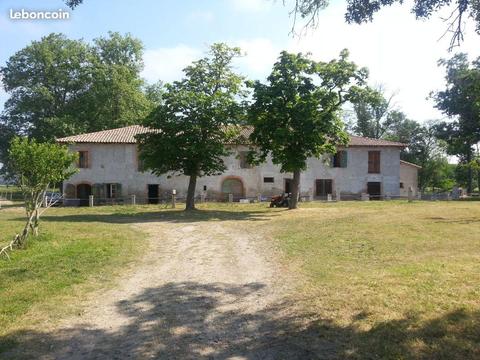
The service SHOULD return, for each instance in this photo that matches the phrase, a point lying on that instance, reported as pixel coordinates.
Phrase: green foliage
(36, 167)
(60, 87)
(296, 114)
(374, 114)
(460, 99)
(426, 150)
(193, 118)
(72, 4)
(39, 165)
(363, 11)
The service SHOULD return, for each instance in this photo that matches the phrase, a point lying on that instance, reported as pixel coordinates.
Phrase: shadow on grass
(190, 320)
(175, 216)
(463, 221)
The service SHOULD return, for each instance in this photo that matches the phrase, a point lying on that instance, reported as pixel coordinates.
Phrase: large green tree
(194, 119)
(461, 101)
(116, 96)
(296, 114)
(60, 87)
(46, 81)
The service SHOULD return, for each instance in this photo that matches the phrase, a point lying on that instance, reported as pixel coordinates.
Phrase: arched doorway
(83, 192)
(232, 186)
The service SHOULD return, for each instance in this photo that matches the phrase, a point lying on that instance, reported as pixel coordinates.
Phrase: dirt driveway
(206, 290)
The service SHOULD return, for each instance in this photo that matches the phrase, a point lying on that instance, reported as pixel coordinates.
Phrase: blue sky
(400, 51)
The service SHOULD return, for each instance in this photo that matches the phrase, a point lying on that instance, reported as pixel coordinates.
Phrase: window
(268, 180)
(244, 164)
(112, 191)
(323, 187)
(83, 159)
(374, 162)
(339, 160)
(401, 185)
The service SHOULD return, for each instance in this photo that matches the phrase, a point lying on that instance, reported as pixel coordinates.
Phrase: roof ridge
(127, 135)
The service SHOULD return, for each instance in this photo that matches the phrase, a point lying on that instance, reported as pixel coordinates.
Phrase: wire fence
(172, 200)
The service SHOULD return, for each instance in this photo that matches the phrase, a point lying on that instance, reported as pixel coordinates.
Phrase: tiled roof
(364, 141)
(410, 164)
(126, 135)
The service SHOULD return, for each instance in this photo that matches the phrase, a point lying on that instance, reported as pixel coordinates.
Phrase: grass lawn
(65, 261)
(380, 280)
(389, 279)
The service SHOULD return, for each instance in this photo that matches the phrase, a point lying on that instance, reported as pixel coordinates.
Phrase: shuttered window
(113, 191)
(83, 159)
(339, 160)
(323, 187)
(374, 162)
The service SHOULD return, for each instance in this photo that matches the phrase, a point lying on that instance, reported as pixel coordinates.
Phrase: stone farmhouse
(111, 171)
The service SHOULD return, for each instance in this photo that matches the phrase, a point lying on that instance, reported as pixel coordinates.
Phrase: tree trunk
(469, 174)
(478, 180)
(192, 184)
(295, 190)
(36, 221)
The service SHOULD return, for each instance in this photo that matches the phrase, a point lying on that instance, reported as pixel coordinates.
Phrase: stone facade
(118, 164)
(408, 178)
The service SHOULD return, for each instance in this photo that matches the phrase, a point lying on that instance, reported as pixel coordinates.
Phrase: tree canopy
(363, 11)
(461, 100)
(374, 114)
(60, 87)
(194, 119)
(296, 114)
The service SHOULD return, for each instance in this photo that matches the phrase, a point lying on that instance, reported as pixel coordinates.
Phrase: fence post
(259, 198)
(134, 199)
(338, 196)
(174, 198)
(202, 197)
(90, 200)
(230, 197)
(410, 194)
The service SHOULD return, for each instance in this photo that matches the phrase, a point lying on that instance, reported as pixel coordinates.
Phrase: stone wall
(118, 163)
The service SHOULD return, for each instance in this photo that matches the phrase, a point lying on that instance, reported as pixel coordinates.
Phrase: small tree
(36, 166)
(296, 115)
(193, 119)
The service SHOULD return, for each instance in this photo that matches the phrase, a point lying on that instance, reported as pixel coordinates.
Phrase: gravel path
(206, 290)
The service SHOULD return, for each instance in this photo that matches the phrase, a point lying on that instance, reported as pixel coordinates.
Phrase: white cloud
(166, 64)
(251, 5)
(260, 54)
(201, 16)
(400, 52)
